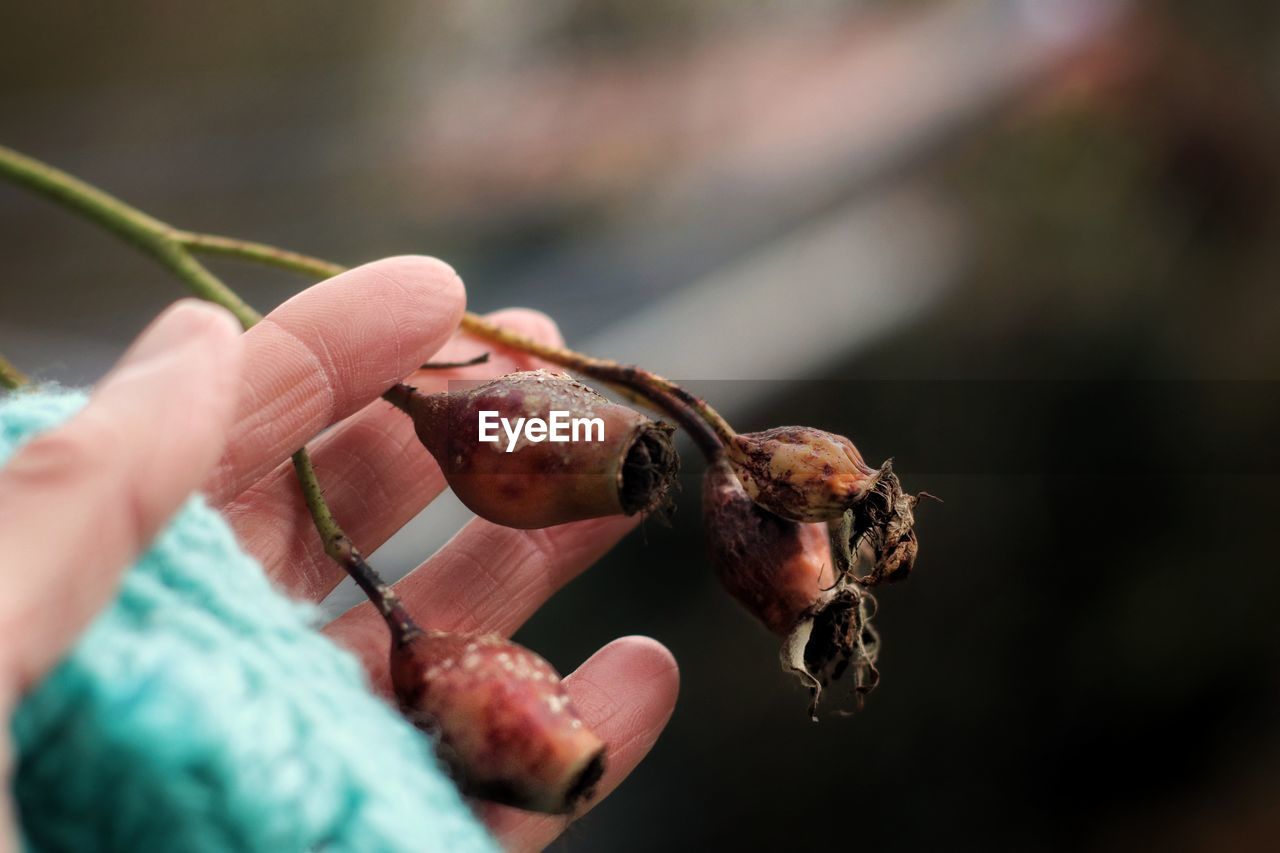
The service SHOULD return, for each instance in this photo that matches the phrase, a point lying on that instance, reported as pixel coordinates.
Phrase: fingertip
(646, 660)
(532, 324)
(645, 649)
(429, 307)
(184, 375)
(186, 362)
(185, 322)
(636, 672)
(422, 273)
(207, 318)
(426, 266)
(529, 322)
(218, 332)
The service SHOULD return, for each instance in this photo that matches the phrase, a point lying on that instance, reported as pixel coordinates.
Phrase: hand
(245, 404)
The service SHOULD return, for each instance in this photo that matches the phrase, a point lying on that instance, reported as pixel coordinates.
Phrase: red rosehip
(775, 567)
(784, 573)
(504, 723)
(627, 466)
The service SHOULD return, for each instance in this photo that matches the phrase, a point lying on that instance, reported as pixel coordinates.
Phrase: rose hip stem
(650, 387)
(167, 245)
(343, 551)
(160, 240)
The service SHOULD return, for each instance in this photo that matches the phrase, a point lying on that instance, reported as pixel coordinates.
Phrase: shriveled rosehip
(518, 481)
(504, 723)
(784, 573)
(774, 567)
(801, 473)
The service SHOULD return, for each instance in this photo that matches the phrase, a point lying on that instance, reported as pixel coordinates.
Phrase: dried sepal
(834, 639)
(881, 526)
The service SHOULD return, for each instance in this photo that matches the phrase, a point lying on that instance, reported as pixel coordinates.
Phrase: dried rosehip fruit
(783, 572)
(504, 723)
(775, 567)
(801, 473)
(620, 464)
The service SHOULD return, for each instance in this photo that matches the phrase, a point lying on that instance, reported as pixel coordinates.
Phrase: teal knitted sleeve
(203, 711)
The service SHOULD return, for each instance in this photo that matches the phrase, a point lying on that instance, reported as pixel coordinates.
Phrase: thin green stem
(259, 253)
(169, 246)
(343, 551)
(149, 234)
(10, 376)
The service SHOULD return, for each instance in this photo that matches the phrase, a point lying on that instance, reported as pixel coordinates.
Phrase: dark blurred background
(1029, 248)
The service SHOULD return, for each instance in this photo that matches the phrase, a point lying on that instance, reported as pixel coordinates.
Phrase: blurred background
(1028, 248)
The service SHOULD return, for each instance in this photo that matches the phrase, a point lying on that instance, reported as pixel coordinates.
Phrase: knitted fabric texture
(202, 711)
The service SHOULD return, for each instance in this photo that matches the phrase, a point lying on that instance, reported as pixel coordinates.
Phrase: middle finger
(487, 578)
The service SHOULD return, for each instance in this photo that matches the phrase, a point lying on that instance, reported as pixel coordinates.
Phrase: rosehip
(629, 469)
(774, 567)
(504, 723)
(801, 473)
(783, 572)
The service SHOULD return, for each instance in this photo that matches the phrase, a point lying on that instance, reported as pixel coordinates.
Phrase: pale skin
(234, 406)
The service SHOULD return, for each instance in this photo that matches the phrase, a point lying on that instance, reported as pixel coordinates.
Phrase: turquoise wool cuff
(203, 711)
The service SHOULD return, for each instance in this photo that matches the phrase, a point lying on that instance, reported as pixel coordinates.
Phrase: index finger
(327, 352)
